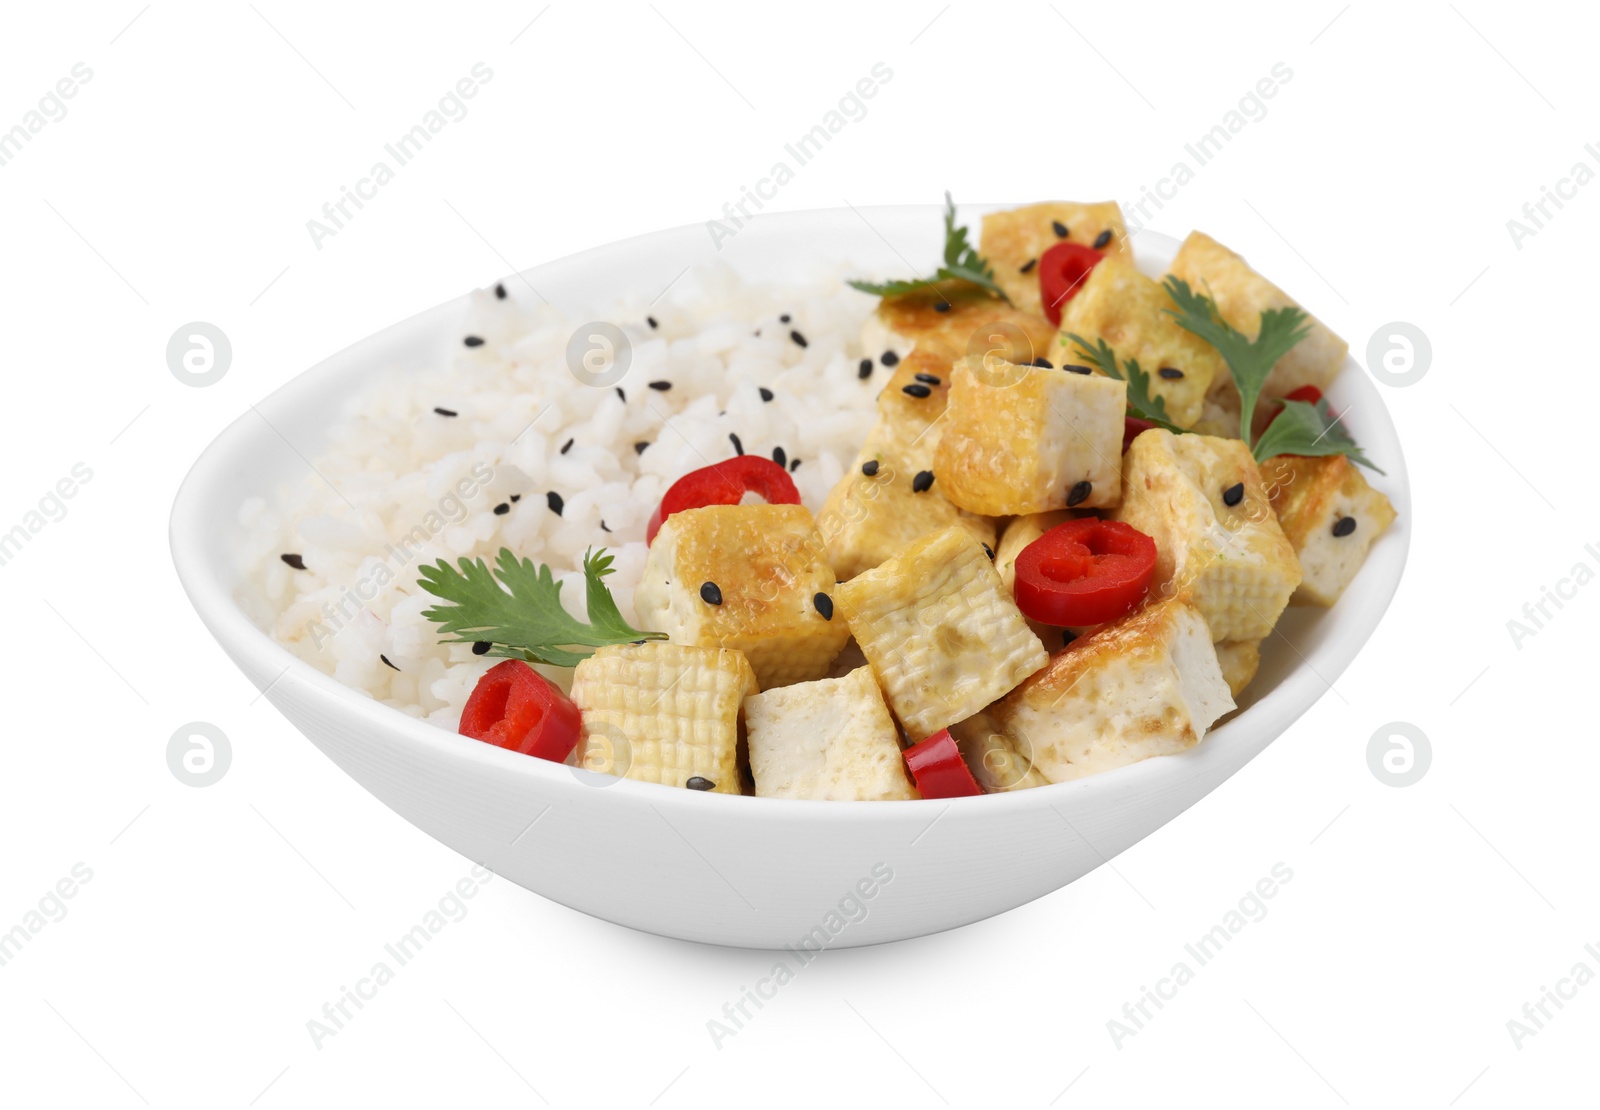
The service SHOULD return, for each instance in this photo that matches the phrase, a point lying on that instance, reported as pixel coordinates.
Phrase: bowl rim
(211, 484)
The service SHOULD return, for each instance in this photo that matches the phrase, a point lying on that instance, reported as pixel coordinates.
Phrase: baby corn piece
(1023, 439)
(971, 322)
(828, 740)
(1143, 686)
(992, 757)
(660, 712)
(1013, 241)
(751, 577)
(1128, 310)
(1239, 660)
(1241, 295)
(1201, 499)
(1330, 515)
(942, 634)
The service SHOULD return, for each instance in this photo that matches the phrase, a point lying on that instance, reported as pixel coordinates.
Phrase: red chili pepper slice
(1062, 270)
(514, 707)
(938, 769)
(1131, 427)
(725, 483)
(1084, 572)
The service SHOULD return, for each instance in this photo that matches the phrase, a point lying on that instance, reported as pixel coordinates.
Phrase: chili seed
(798, 338)
(869, 468)
(1079, 493)
(638, 448)
(445, 412)
(923, 482)
(824, 605)
(1028, 265)
(889, 358)
(385, 658)
(651, 320)
(553, 499)
(1077, 369)
(930, 379)
(1043, 363)
(481, 647)
(864, 371)
(299, 563)
(780, 457)
(1102, 239)
(500, 291)
(766, 394)
(1345, 525)
(916, 390)
(567, 446)
(697, 782)
(738, 448)
(710, 593)
(473, 341)
(1233, 494)
(502, 509)
(1059, 228)
(1171, 373)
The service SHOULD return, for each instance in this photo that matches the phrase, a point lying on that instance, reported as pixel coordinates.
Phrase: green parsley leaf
(1305, 429)
(1141, 402)
(517, 608)
(962, 262)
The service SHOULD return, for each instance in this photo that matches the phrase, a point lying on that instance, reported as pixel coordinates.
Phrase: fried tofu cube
(661, 712)
(1023, 439)
(942, 634)
(1331, 517)
(1233, 559)
(1241, 295)
(745, 577)
(910, 424)
(828, 740)
(1146, 685)
(1013, 241)
(1239, 660)
(992, 758)
(1128, 310)
(973, 320)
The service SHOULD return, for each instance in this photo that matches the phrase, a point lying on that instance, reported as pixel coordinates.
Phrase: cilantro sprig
(517, 608)
(1141, 402)
(962, 262)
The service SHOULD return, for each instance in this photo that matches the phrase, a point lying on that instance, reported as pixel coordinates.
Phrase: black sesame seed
(864, 371)
(553, 499)
(445, 412)
(1344, 526)
(923, 482)
(502, 509)
(738, 448)
(1079, 493)
(916, 390)
(638, 448)
(651, 320)
(481, 647)
(930, 379)
(942, 306)
(500, 291)
(798, 338)
(567, 446)
(385, 658)
(1059, 228)
(515, 497)
(299, 563)
(1028, 265)
(766, 394)
(473, 341)
(621, 396)
(1233, 494)
(824, 605)
(1043, 363)
(784, 319)
(1171, 373)
(989, 551)
(710, 593)
(603, 527)
(869, 468)
(1102, 239)
(697, 782)
(780, 457)
(661, 387)
(889, 358)
(794, 464)
(1077, 369)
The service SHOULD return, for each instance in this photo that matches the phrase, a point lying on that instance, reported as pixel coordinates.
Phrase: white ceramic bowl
(754, 872)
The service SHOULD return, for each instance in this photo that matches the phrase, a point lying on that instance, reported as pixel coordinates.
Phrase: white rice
(396, 467)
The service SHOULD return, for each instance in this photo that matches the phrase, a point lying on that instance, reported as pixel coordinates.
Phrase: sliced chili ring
(1131, 427)
(1062, 271)
(938, 769)
(1084, 572)
(725, 483)
(514, 707)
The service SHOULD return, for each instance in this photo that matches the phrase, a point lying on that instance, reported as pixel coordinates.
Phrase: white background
(219, 921)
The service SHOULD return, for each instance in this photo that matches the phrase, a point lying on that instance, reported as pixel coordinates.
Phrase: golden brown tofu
(911, 423)
(1013, 241)
(1217, 539)
(1143, 686)
(1128, 310)
(745, 577)
(1241, 295)
(1331, 517)
(1239, 660)
(942, 634)
(663, 713)
(975, 320)
(1023, 439)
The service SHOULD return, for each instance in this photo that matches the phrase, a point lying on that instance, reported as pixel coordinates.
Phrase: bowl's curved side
(727, 870)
